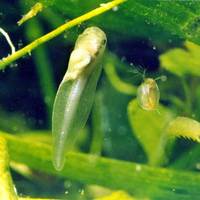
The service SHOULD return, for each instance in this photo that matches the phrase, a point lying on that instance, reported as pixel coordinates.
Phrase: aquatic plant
(129, 151)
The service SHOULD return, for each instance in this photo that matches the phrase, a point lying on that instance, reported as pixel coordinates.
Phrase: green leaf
(138, 180)
(182, 61)
(143, 18)
(43, 66)
(184, 127)
(113, 124)
(149, 129)
(7, 190)
(116, 196)
(189, 160)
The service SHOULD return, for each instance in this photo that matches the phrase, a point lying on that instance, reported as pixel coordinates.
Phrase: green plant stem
(34, 199)
(7, 190)
(140, 180)
(117, 83)
(43, 67)
(176, 101)
(98, 134)
(188, 160)
(27, 49)
(188, 100)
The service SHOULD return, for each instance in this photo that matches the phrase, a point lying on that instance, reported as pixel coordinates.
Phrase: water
(124, 151)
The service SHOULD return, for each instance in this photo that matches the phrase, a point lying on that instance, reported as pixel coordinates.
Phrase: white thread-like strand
(8, 40)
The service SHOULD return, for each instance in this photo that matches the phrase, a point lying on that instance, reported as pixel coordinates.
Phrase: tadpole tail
(64, 125)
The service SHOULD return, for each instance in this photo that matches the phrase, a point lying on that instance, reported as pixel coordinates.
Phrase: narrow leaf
(139, 180)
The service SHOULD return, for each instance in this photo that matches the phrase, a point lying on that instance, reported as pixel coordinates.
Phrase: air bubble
(82, 192)
(66, 192)
(20, 44)
(13, 65)
(198, 166)
(65, 36)
(103, 4)
(138, 168)
(116, 8)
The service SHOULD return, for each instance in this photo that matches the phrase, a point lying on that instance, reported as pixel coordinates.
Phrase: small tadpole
(32, 13)
(148, 93)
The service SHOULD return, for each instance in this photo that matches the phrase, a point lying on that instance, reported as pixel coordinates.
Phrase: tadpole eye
(104, 41)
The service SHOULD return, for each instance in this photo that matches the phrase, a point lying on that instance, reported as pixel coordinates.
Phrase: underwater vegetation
(99, 100)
